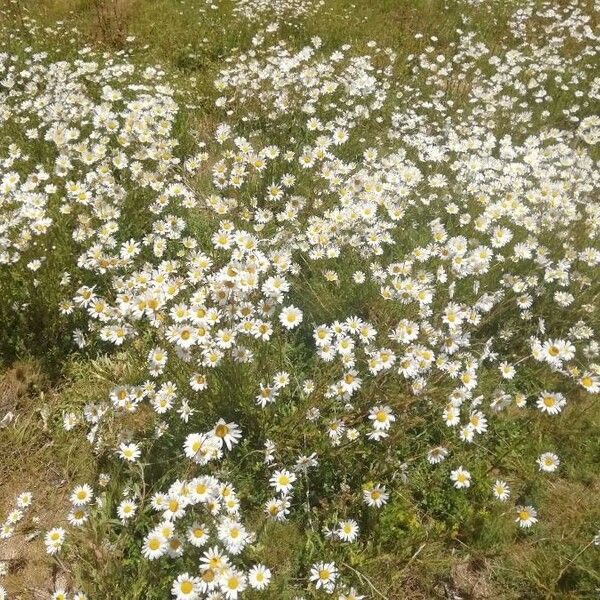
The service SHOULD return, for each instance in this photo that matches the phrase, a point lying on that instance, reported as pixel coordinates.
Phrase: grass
(428, 542)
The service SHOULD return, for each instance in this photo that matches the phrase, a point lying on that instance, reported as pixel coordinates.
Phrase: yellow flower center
(154, 544)
(186, 587)
(221, 430)
(233, 583)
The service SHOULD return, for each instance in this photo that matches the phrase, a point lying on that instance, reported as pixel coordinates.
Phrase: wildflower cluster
(16, 515)
(101, 129)
(256, 10)
(343, 254)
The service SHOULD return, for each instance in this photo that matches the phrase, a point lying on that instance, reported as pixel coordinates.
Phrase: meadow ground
(299, 299)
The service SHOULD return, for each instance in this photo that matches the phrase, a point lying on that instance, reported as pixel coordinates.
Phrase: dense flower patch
(465, 263)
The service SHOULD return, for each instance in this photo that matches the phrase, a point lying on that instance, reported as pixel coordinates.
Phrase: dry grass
(111, 19)
(34, 459)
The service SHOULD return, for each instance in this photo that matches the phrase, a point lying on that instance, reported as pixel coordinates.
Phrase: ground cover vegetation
(299, 299)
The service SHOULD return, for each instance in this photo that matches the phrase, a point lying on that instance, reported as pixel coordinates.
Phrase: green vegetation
(306, 286)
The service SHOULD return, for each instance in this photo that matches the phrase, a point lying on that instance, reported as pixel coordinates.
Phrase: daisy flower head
(358, 277)
(520, 400)
(281, 379)
(186, 587)
(194, 444)
(214, 559)
(277, 508)
(227, 433)
(526, 516)
(290, 317)
(175, 507)
(126, 509)
(54, 540)
(198, 382)
(437, 455)
(175, 547)
(375, 495)
(590, 382)
(548, 462)
(77, 517)
(233, 535)
(283, 481)
(197, 534)
(129, 452)
(24, 500)
(82, 495)
(259, 577)
(557, 351)
(303, 463)
(232, 583)
(382, 417)
(501, 490)
(165, 529)
(461, 478)
(324, 576)
(14, 516)
(551, 402)
(506, 370)
(347, 530)
(155, 546)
